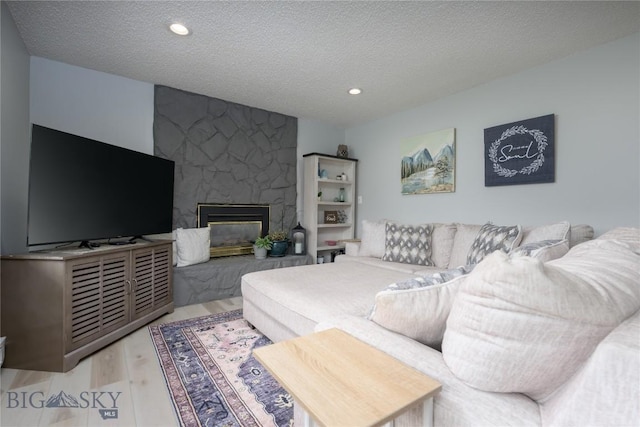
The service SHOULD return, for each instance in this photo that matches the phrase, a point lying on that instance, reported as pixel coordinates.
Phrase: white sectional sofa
(289, 302)
(525, 338)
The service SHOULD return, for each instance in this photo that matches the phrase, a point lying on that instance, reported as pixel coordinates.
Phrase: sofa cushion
(521, 325)
(409, 244)
(465, 235)
(558, 231)
(294, 299)
(544, 250)
(625, 235)
(442, 238)
(493, 238)
(193, 245)
(418, 308)
(388, 265)
(457, 404)
(373, 238)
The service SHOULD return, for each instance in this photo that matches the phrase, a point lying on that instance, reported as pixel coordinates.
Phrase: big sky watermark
(106, 402)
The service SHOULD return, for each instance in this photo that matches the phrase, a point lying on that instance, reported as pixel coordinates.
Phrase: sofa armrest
(605, 391)
(352, 247)
(580, 233)
(457, 404)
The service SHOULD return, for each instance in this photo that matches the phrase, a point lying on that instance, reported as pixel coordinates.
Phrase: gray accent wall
(14, 136)
(226, 153)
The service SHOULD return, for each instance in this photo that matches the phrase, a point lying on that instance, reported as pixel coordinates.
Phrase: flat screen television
(82, 190)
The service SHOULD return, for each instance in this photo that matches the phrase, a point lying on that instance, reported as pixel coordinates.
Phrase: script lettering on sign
(520, 152)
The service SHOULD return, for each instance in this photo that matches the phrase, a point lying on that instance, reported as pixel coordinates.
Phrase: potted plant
(279, 243)
(261, 246)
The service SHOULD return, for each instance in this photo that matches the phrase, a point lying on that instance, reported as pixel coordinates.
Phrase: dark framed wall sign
(521, 152)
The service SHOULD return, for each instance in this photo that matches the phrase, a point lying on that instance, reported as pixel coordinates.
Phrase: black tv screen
(82, 190)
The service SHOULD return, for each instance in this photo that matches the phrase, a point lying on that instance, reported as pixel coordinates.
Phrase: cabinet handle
(128, 285)
(135, 284)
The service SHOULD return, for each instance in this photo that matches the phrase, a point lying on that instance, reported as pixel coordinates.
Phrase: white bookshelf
(319, 231)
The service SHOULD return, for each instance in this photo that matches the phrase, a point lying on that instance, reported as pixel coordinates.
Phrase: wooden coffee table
(340, 381)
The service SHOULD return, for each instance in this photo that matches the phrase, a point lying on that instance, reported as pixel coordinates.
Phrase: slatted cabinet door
(151, 280)
(162, 277)
(59, 306)
(98, 298)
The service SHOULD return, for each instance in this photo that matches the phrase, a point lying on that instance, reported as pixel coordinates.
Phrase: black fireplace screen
(233, 227)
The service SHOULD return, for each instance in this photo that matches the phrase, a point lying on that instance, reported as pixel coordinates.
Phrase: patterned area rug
(212, 376)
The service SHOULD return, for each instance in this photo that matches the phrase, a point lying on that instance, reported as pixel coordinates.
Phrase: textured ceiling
(299, 58)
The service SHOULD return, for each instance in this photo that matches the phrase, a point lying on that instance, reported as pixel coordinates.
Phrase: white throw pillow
(523, 326)
(418, 313)
(545, 250)
(372, 240)
(558, 231)
(193, 245)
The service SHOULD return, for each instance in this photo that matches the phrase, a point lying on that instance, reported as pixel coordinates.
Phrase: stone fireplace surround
(226, 153)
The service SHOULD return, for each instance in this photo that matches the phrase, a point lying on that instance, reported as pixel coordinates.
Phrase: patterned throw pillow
(431, 279)
(493, 238)
(409, 244)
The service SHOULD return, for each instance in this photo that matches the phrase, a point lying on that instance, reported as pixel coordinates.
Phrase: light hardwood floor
(128, 366)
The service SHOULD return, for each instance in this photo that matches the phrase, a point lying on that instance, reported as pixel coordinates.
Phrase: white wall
(314, 137)
(14, 136)
(595, 96)
(96, 105)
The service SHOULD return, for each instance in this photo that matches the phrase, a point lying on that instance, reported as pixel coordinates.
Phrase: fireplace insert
(233, 227)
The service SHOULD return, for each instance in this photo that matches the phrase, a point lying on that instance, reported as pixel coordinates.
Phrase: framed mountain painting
(520, 152)
(428, 163)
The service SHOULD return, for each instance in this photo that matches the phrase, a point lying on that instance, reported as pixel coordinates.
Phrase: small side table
(339, 380)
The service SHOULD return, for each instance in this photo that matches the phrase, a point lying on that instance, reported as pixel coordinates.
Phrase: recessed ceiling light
(179, 29)
(355, 91)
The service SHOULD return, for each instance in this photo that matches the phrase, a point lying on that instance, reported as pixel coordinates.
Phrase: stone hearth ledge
(220, 278)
